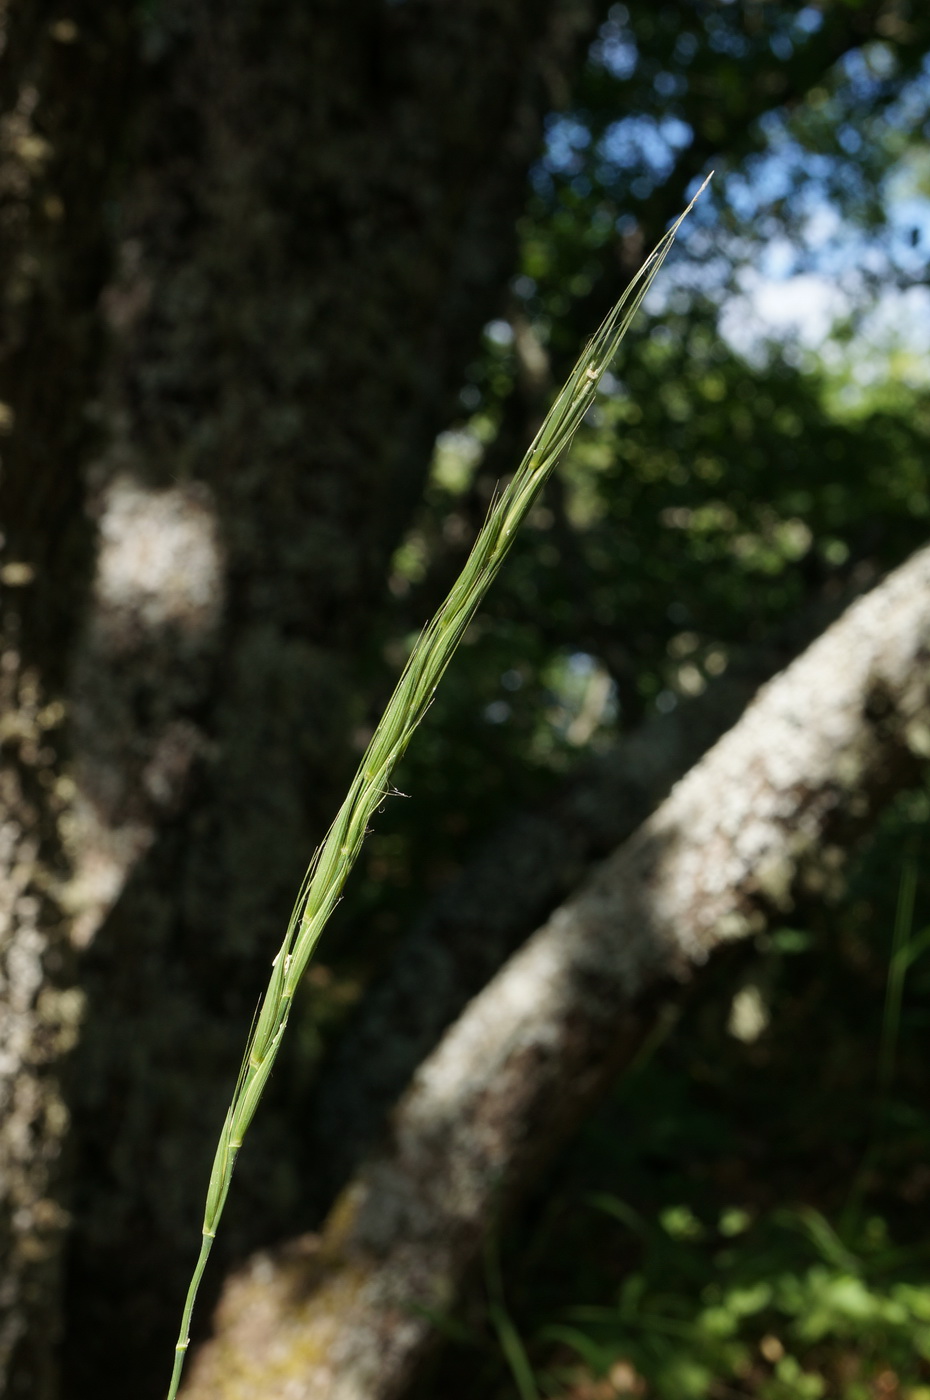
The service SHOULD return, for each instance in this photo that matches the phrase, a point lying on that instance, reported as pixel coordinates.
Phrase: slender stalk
(329, 870)
(509, 1339)
(180, 1351)
(905, 947)
(897, 970)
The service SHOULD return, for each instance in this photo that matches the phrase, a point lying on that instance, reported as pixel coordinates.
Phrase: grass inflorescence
(330, 868)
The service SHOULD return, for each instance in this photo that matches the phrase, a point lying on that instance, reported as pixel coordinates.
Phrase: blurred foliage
(719, 488)
(744, 1218)
(746, 1215)
(706, 504)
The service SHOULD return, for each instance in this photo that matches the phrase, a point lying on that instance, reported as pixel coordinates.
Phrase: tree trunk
(768, 813)
(249, 250)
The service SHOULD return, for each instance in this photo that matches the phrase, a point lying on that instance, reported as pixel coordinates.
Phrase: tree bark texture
(248, 250)
(767, 814)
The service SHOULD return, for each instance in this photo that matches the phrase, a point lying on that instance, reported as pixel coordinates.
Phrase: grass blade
(329, 870)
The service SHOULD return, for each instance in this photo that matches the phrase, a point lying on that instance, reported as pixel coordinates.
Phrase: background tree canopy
(287, 288)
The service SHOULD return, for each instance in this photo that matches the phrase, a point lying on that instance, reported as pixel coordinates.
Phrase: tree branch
(520, 874)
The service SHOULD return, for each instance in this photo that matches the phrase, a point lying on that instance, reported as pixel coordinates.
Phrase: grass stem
(329, 870)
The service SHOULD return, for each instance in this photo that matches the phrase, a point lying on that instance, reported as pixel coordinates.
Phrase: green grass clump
(777, 1308)
(330, 868)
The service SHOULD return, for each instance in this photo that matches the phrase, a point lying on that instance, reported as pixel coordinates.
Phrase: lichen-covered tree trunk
(248, 249)
(767, 814)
